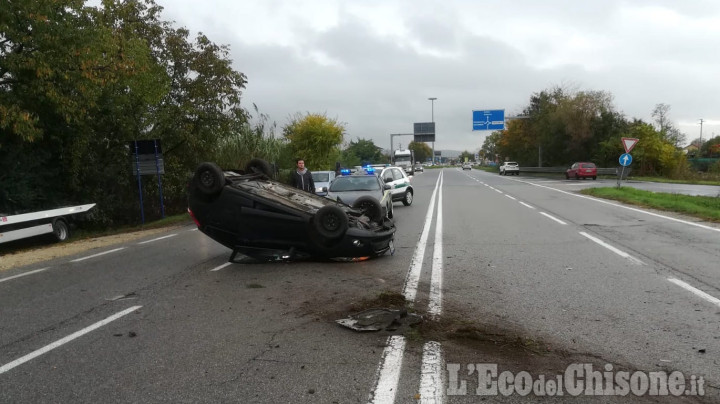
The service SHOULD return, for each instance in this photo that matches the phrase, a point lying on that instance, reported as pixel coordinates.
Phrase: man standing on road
(302, 179)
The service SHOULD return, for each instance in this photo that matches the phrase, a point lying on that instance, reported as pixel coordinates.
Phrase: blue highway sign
(491, 119)
(625, 159)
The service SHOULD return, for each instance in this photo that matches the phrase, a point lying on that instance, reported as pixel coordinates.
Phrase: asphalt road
(518, 273)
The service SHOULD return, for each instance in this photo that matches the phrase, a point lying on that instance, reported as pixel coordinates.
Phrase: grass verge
(702, 207)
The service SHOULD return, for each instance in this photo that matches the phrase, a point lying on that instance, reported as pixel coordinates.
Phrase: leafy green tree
(362, 151)
(466, 156)
(421, 150)
(316, 139)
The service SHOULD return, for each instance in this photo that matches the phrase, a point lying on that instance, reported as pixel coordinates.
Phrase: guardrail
(600, 170)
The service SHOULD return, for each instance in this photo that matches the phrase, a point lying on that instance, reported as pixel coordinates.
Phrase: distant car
(363, 191)
(251, 214)
(581, 170)
(509, 167)
(467, 166)
(399, 183)
(322, 181)
(419, 167)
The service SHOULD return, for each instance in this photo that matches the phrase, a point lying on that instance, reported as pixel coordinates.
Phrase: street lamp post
(432, 112)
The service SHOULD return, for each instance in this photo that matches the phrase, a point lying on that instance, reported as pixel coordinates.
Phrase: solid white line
(613, 249)
(65, 340)
(702, 226)
(388, 372)
(553, 218)
(526, 205)
(221, 267)
(23, 274)
(156, 239)
(97, 255)
(432, 390)
(712, 299)
(511, 197)
(413, 276)
(436, 276)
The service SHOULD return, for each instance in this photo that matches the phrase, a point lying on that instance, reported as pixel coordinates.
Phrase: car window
(321, 177)
(388, 175)
(588, 165)
(355, 183)
(397, 174)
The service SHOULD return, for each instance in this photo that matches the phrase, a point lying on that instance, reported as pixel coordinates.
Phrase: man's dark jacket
(303, 181)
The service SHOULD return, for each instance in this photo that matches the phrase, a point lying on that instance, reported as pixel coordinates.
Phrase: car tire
(209, 179)
(594, 178)
(259, 166)
(577, 177)
(408, 198)
(370, 207)
(61, 231)
(567, 177)
(330, 222)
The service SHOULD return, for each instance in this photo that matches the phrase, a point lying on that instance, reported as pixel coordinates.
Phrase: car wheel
(407, 200)
(330, 222)
(577, 177)
(594, 178)
(61, 231)
(209, 178)
(259, 166)
(567, 177)
(370, 207)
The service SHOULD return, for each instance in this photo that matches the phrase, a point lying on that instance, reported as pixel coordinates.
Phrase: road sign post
(625, 159)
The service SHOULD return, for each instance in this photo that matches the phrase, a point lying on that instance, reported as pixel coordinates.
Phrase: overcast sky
(372, 65)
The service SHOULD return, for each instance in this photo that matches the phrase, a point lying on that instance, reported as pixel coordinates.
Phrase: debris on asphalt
(380, 319)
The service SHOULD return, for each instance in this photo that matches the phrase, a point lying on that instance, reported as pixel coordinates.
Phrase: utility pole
(432, 117)
(700, 143)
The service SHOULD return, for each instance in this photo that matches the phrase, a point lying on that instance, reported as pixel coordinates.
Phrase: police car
(399, 183)
(363, 190)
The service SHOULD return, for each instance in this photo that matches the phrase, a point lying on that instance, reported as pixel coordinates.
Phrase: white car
(509, 167)
(322, 180)
(399, 182)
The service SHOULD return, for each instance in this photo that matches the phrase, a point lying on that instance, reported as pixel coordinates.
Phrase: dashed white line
(526, 205)
(23, 274)
(613, 249)
(388, 372)
(552, 217)
(156, 239)
(60, 342)
(511, 197)
(221, 267)
(712, 299)
(431, 382)
(497, 190)
(97, 255)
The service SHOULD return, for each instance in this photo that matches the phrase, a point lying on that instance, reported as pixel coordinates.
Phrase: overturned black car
(256, 216)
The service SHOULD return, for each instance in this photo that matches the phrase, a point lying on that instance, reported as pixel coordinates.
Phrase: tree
(665, 127)
(316, 139)
(422, 151)
(362, 151)
(466, 156)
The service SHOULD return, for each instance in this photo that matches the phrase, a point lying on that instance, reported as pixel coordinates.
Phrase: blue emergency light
(345, 171)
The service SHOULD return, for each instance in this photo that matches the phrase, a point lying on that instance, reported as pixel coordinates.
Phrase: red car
(581, 170)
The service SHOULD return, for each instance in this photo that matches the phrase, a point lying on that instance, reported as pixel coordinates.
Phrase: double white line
(388, 373)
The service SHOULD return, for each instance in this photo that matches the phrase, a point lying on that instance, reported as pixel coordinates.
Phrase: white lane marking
(23, 274)
(436, 276)
(98, 254)
(156, 239)
(497, 190)
(613, 249)
(526, 205)
(712, 299)
(221, 267)
(702, 226)
(60, 342)
(388, 372)
(552, 217)
(513, 198)
(413, 276)
(432, 388)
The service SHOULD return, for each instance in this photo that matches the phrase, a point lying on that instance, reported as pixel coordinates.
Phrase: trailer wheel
(209, 179)
(61, 231)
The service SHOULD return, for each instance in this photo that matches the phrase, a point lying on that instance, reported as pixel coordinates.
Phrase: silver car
(322, 181)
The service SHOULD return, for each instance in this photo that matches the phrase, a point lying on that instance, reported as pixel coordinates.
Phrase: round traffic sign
(625, 159)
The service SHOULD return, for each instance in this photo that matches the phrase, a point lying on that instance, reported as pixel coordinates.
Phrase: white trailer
(24, 225)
